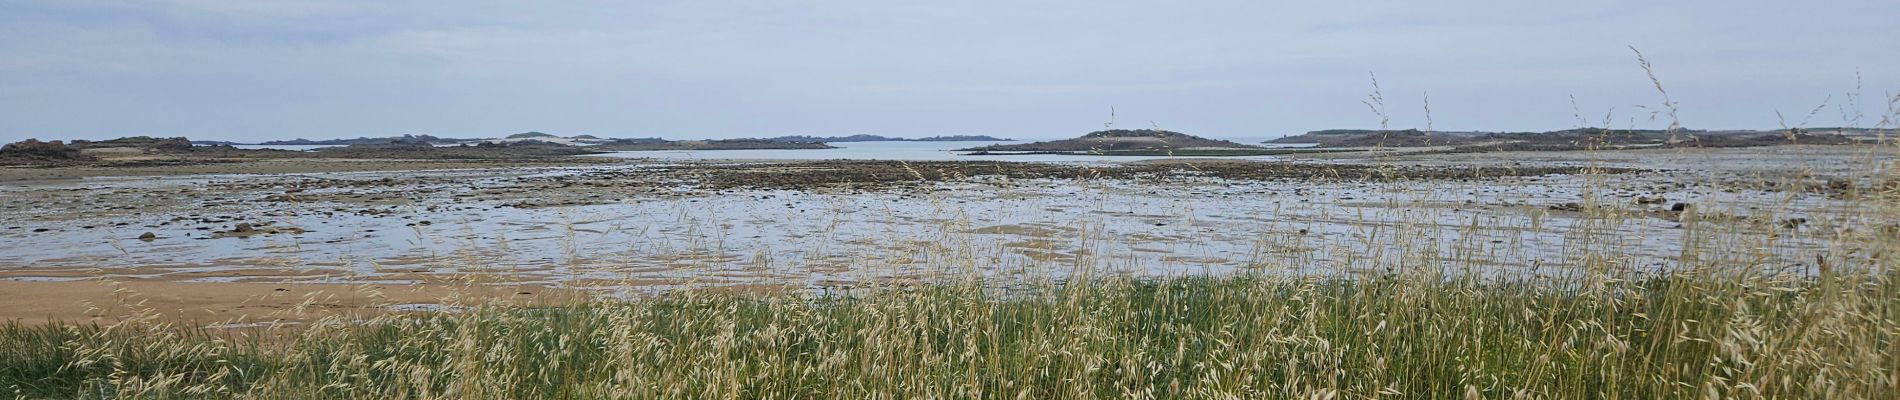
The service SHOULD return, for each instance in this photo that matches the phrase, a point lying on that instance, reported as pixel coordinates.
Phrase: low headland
(1130, 142)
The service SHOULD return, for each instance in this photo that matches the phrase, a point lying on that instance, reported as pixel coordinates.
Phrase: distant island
(146, 150)
(877, 138)
(531, 135)
(959, 138)
(1130, 142)
(718, 144)
(783, 142)
(591, 143)
(362, 140)
(1573, 139)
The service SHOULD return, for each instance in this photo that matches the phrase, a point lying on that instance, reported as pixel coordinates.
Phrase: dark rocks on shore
(35, 150)
(147, 143)
(264, 228)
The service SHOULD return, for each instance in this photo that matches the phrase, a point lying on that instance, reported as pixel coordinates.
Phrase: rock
(1571, 206)
(148, 236)
(148, 143)
(1839, 184)
(171, 144)
(243, 228)
(1680, 207)
(35, 149)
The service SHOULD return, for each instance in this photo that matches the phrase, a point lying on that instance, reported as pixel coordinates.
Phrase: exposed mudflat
(622, 227)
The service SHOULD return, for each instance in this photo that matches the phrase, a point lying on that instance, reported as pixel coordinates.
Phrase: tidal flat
(625, 228)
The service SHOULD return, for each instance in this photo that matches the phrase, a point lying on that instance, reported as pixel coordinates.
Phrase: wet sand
(419, 228)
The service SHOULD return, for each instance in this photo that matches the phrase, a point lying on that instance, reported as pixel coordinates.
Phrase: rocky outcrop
(173, 144)
(1125, 141)
(35, 151)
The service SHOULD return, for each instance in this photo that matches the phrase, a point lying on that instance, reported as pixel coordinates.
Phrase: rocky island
(880, 138)
(360, 140)
(1131, 142)
(591, 143)
(148, 156)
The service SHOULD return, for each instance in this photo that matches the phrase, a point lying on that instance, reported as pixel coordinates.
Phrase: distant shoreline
(591, 139)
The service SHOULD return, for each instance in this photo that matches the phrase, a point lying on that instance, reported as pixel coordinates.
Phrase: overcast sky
(270, 69)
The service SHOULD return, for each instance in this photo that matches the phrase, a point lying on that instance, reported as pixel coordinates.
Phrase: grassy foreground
(1691, 334)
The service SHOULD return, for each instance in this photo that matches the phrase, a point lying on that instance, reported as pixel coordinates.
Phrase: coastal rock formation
(879, 138)
(34, 147)
(1130, 142)
(148, 143)
(35, 151)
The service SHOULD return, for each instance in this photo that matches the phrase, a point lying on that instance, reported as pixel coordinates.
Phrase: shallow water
(891, 150)
(291, 147)
(897, 151)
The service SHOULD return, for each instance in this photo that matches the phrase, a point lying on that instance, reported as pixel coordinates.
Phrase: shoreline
(23, 174)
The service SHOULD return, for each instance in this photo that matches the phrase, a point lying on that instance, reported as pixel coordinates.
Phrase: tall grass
(1680, 335)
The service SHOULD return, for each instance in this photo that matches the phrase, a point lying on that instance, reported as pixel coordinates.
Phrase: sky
(276, 69)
